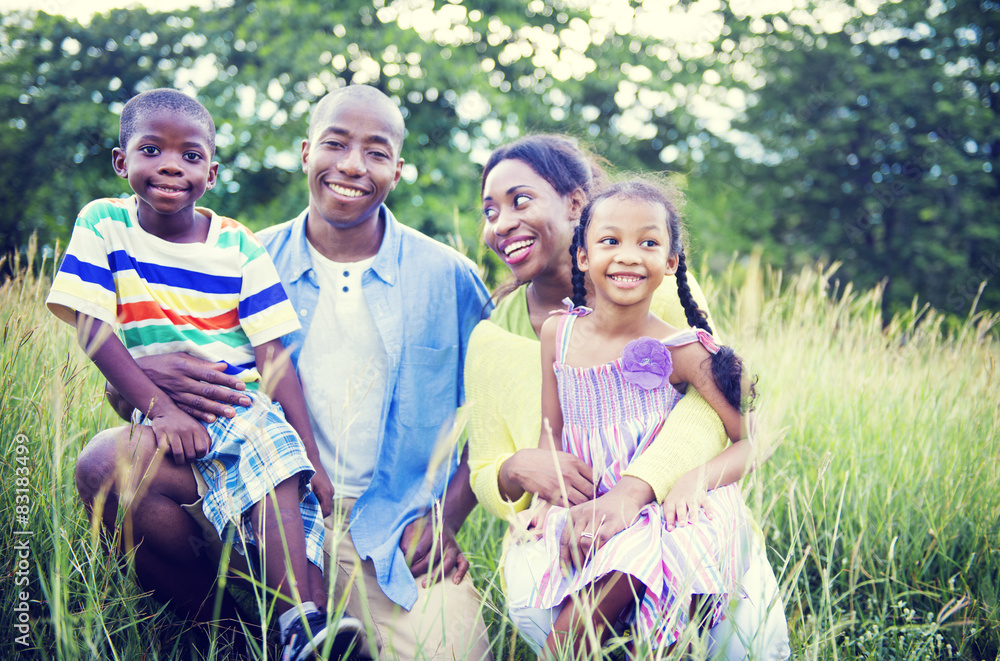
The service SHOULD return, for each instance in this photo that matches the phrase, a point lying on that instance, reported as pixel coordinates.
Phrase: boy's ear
(118, 162)
(213, 174)
(581, 259)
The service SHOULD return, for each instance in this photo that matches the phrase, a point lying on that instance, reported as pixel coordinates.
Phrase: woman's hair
(727, 367)
(557, 159)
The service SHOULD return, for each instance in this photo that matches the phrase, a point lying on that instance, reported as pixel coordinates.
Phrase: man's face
(352, 162)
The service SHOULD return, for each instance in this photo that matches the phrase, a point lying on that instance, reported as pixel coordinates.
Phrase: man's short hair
(164, 99)
(364, 94)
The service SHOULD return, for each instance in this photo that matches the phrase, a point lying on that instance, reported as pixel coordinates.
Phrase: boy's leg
(277, 531)
(445, 623)
(121, 465)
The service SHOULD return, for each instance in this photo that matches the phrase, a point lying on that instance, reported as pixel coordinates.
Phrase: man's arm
(198, 387)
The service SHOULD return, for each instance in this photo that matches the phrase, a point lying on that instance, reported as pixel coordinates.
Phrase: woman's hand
(198, 387)
(537, 471)
(683, 502)
(589, 526)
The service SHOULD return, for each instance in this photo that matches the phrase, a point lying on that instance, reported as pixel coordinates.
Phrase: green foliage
(879, 505)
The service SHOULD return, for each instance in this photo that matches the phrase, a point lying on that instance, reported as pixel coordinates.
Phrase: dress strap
(565, 328)
(690, 336)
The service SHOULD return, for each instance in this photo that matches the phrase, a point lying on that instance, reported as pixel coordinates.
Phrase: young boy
(169, 276)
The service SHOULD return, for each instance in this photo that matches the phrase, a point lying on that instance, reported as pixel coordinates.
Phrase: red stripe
(147, 310)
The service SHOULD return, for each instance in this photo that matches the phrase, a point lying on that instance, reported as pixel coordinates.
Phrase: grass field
(880, 505)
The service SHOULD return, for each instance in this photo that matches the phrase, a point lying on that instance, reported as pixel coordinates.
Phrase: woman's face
(529, 225)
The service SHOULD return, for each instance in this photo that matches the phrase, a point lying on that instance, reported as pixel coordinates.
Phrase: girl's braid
(579, 285)
(696, 317)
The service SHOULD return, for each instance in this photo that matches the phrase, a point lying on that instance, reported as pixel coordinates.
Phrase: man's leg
(445, 623)
(121, 467)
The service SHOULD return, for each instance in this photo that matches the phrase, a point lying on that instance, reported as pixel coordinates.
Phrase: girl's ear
(672, 263)
(118, 162)
(581, 259)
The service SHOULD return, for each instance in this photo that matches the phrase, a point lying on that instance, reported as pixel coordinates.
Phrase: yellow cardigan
(503, 388)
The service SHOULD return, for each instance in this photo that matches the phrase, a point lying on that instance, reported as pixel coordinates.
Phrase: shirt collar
(385, 266)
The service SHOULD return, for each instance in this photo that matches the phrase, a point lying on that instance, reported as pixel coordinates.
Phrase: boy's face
(167, 162)
(352, 162)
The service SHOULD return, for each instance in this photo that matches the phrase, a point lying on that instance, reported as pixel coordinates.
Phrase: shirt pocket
(428, 386)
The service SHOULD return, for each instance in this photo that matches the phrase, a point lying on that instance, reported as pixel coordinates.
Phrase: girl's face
(529, 225)
(628, 249)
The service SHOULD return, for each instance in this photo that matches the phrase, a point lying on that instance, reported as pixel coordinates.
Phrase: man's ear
(399, 173)
(305, 155)
(582, 262)
(118, 162)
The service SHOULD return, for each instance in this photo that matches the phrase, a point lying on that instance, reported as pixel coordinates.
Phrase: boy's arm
(185, 436)
(281, 383)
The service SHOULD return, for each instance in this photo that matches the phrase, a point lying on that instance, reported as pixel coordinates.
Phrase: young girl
(611, 375)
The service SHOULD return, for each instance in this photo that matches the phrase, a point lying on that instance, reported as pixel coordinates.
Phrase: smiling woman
(534, 191)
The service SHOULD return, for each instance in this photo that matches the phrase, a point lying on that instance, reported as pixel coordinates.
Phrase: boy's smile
(168, 164)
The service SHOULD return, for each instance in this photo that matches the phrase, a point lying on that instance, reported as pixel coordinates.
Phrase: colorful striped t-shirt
(215, 300)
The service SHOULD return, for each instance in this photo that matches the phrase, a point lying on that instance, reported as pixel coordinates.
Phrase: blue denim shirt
(425, 299)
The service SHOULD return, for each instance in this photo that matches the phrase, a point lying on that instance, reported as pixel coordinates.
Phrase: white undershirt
(342, 367)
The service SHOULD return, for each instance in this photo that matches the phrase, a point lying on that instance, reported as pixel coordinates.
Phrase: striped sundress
(607, 421)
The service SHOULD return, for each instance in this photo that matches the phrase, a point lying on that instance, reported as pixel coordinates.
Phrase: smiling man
(386, 313)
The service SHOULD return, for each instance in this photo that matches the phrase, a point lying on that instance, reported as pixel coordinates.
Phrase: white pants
(754, 627)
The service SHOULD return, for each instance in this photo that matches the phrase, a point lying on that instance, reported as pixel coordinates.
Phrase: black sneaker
(303, 643)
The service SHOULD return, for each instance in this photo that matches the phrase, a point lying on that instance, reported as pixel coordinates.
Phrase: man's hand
(537, 471)
(432, 549)
(178, 433)
(198, 387)
(590, 525)
(323, 488)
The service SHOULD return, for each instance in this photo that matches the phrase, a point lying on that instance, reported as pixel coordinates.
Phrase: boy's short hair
(164, 99)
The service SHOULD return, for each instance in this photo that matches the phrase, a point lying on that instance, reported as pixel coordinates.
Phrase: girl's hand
(537, 471)
(589, 526)
(538, 517)
(323, 488)
(180, 434)
(682, 504)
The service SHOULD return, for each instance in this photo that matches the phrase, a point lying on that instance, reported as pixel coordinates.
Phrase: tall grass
(880, 504)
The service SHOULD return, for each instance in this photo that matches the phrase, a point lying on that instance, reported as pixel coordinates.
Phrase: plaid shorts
(249, 456)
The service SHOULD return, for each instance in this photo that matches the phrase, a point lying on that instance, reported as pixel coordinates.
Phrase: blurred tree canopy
(861, 132)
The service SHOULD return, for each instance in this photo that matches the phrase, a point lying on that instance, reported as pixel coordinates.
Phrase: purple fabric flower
(646, 363)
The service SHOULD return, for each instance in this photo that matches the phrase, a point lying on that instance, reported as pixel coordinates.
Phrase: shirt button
(303, 312)
(346, 274)
(345, 288)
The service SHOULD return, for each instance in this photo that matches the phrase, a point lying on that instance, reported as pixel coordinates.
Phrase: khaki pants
(446, 622)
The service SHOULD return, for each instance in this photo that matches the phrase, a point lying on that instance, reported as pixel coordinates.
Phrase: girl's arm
(282, 385)
(692, 364)
(185, 436)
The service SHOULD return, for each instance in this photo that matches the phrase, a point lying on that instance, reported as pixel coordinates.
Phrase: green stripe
(150, 335)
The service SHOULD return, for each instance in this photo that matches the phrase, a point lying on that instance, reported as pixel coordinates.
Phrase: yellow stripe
(131, 288)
